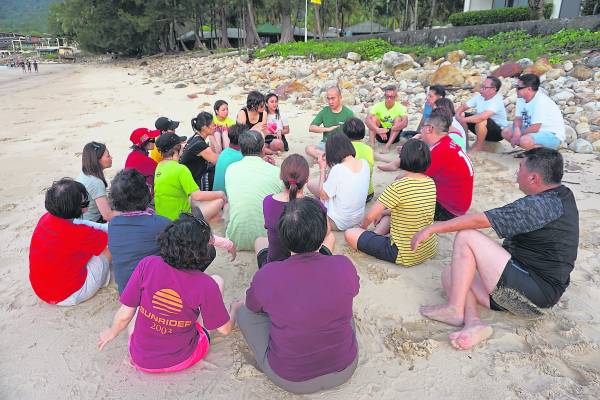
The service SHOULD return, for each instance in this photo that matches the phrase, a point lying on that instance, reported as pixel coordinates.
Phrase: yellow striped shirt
(412, 201)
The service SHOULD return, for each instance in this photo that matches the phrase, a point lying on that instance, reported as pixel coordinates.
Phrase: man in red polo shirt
(450, 168)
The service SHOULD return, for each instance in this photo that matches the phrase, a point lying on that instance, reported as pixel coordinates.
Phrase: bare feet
(470, 336)
(385, 150)
(443, 313)
(474, 149)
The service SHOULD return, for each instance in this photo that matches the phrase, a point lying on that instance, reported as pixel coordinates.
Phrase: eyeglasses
(521, 87)
(152, 140)
(201, 221)
(390, 97)
(488, 87)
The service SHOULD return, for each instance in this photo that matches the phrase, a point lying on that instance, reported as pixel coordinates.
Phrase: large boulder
(352, 56)
(554, 73)
(570, 134)
(284, 90)
(581, 146)
(581, 72)
(393, 60)
(447, 75)
(593, 62)
(563, 95)
(507, 70)
(539, 68)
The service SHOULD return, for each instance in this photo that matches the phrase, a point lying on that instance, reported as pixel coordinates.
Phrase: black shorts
(494, 132)
(518, 292)
(380, 139)
(377, 246)
(441, 214)
(263, 254)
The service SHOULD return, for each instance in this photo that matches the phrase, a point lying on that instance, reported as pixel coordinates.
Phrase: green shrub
(495, 16)
(499, 48)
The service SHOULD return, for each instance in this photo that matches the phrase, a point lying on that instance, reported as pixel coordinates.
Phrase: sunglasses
(201, 221)
(152, 140)
(521, 87)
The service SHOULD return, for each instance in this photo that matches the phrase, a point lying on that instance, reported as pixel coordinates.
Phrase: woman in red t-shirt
(143, 141)
(68, 262)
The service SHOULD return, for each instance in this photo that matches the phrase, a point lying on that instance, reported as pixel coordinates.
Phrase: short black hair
(234, 132)
(354, 128)
(495, 81)
(186, 242)
(445, 105)
(415, 156)
(546, 162)
(218, 105)
(338, 147)
(251, 143)
(129, 191)
(438, 89)
(303, 225)
(254, 100)
(530, 80)
(64, 198)
(439, 120)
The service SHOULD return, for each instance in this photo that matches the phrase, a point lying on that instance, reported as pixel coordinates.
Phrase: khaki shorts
(98, 276)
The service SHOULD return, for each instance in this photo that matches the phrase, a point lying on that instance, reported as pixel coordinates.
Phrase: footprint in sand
(96, 124)
(8, 207)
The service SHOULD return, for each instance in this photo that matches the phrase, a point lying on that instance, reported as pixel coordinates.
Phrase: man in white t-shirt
(538, 120)
(490, 117)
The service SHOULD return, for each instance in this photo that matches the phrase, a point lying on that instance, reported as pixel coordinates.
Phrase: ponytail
(293, 188)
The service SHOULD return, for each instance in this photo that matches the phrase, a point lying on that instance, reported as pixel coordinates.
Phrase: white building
(561, 9)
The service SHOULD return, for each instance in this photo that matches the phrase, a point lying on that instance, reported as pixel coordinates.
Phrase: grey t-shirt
(95, 188)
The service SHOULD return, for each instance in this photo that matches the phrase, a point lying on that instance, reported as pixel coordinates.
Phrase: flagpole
(305, 21)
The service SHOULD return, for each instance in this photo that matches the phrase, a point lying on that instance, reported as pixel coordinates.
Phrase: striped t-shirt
(412, 201)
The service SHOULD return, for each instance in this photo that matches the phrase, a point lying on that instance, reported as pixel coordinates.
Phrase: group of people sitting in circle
(153, 228)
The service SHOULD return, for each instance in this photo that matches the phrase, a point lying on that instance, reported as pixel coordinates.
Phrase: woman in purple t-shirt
(294, 174)
(176, 302)
(297, 319)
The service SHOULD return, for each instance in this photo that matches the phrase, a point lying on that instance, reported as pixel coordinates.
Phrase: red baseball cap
(142, 135)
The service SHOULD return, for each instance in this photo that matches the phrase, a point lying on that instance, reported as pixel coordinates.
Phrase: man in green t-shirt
(329, 120)
(386, 120)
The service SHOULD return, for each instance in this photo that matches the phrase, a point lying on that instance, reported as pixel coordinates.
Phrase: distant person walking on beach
(28, 66)
(35, 65)
(22, 63)
(532, 267)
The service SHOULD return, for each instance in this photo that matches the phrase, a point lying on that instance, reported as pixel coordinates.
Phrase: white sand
(47, 352)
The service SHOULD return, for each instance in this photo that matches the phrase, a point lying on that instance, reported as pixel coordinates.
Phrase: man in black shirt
(532, 267)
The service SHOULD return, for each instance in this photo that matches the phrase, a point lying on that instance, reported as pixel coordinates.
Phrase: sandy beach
(48, 352)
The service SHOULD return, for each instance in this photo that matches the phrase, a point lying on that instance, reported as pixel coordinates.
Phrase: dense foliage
(498, 48)
(495, 16)
(24, 16)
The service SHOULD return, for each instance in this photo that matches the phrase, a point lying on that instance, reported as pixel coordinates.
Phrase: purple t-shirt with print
(170, 301)
(272, 211)
(308, 298)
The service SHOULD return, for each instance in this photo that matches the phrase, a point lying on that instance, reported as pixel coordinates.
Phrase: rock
(352, 56)
(447, 75)
(507, 70)
(581, 72)
(596, 145)
(592, 137)
(192, 95)
(593, 62)
(581, 128)
(581, 146)
(144, 64)
(180, 86)
(393, 60)
(158, 92)
(592, 106)
(568, 65)
(570, 134)
(597, 76)
(409, 75)
(439, 61)
(245, 58)
(456, 56)
(362, 92)
(474, 81)
(572, 110)
(346, 85)
(348, 99)
(525, 62)
(554, 73)
(563, 95)
(284, 90)
(540, 67)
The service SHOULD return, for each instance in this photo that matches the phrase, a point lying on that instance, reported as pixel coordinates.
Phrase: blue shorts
(377, 246)
(546, 139)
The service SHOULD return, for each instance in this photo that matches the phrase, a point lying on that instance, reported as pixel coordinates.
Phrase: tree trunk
(337, 18)
(536, 9)
(287, 32)
(415, 19)
(198, 44)
(319, 32)
(252, 39)
(224, 37)
(432, 15)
